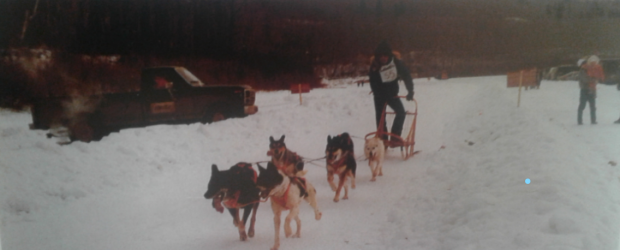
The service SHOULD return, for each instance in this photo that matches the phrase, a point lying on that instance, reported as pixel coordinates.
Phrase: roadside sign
(515, 79)
(522, 78)
(300, 88)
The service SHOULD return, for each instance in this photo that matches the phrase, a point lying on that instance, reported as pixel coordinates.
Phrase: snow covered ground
(143, 188)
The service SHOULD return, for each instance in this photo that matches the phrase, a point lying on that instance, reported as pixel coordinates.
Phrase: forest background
(99, 46)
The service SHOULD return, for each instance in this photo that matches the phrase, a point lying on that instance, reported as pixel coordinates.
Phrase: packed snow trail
(472, 195)
(142, 188)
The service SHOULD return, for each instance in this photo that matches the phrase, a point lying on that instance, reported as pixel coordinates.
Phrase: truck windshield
(189, 77)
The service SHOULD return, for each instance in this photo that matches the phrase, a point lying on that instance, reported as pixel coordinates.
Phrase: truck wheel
(218, 116)
(82, 132)
(215, 114)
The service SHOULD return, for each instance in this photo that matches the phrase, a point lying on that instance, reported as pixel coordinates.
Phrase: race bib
(388, 72)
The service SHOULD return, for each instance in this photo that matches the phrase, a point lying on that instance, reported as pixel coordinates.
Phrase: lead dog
(340, 160)
(235, 189)
(374, 149)
(286, 193)
(284, 159)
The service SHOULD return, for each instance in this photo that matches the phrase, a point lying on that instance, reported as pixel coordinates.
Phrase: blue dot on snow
(527, 181)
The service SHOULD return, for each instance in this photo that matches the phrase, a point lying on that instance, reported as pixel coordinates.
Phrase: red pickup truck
(167, 95)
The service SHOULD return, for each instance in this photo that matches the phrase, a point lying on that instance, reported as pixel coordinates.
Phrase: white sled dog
(375, 152)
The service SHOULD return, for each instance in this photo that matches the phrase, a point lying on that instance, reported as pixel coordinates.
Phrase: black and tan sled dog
(286, 193)
(235, 189)
(284, 159)
(340, 160)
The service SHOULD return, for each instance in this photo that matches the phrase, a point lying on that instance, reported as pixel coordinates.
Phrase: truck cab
(168, 95)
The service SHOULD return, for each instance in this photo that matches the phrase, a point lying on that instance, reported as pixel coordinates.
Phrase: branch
(28, 18)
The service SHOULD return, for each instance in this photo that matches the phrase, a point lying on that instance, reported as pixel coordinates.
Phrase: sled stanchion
(299, 87)
(407, 144)
(410, 139)
(520, 84)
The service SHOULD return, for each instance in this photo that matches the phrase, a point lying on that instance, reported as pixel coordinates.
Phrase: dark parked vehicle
(167, 95)
(611, 67)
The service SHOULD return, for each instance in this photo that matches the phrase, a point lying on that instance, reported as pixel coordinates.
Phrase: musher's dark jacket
(389, 89)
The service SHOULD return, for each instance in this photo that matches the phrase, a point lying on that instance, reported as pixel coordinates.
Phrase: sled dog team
(240, 187)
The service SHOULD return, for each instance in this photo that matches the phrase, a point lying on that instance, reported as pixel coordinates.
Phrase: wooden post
(301, 88)
(520, 83)
(25, 26)
(27, 19)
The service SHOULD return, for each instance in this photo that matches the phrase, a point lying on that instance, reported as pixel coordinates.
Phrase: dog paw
(345, 198)
(219, 209)
(334, 188)
(243, 236)
(336, 199)
(318, 216)
(373, 179)
(251, 233)
(297, 235)
(274, 248)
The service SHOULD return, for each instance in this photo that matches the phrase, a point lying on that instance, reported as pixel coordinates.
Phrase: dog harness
(285, 160)
(283, 199)
(245, 167)
(336, 165)
(232, 201)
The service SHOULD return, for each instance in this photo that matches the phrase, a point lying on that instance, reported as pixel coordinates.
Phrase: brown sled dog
(340, 160)
(286, 193)
(235, 189)
(288, 161)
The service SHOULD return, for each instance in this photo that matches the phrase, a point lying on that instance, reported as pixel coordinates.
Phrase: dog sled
(406, 143)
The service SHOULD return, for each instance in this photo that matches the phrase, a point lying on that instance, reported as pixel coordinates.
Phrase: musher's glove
(410, 96)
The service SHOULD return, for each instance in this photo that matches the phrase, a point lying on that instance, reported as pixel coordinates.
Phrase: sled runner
(406, 143)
